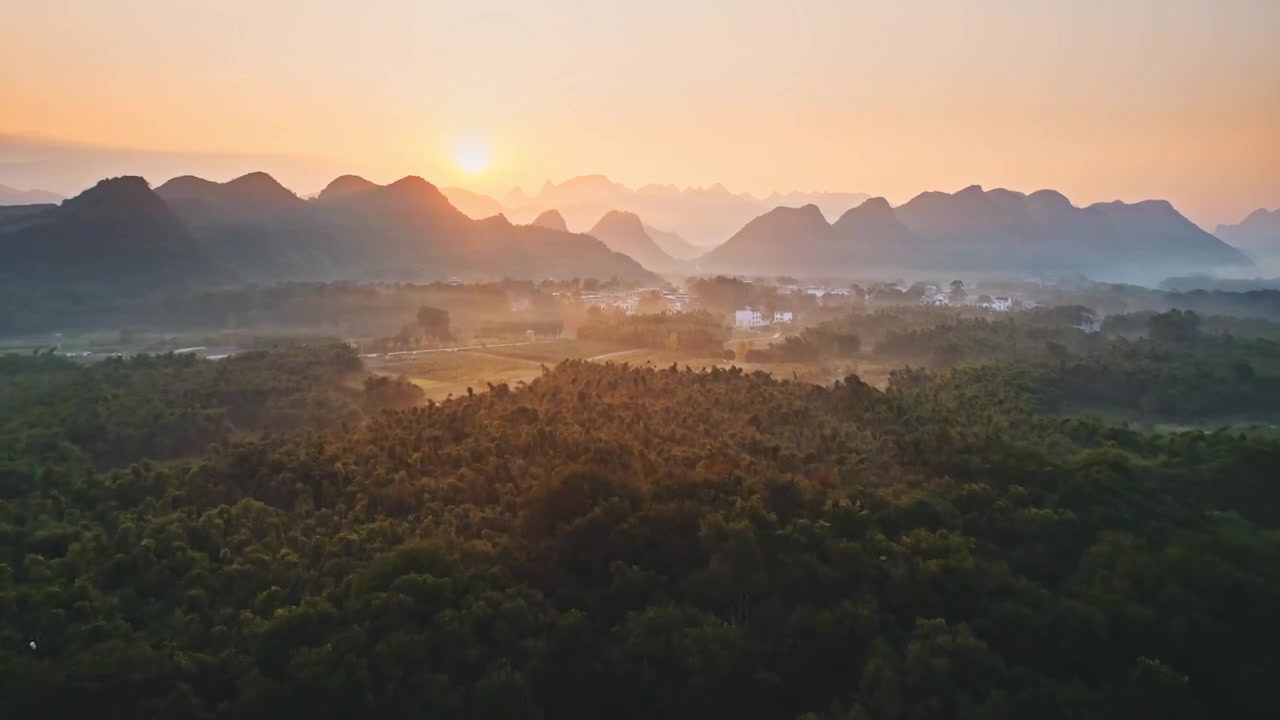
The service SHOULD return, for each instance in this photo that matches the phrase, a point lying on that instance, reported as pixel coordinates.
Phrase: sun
(472, 155)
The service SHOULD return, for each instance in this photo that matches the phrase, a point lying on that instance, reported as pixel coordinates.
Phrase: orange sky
(1128, 99)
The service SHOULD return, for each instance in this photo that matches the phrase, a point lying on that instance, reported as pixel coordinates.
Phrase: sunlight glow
(472, 155)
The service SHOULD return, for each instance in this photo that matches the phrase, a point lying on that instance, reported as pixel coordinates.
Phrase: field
(449, 372)
(442, 373)
(100, 344)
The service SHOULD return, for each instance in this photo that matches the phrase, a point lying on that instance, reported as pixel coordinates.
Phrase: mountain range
(702, 216)
(976, 230)
(671, 248)
(192, 230)
(13, 196)
(624, 232)
(1258, 234)
(552, 220)
(832, 204)
(674, 245)
(473, 204)
(115, 234)
(253, 229)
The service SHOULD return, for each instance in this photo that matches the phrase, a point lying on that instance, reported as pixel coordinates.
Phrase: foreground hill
(977, 230)
(117, 235)
(624, 232)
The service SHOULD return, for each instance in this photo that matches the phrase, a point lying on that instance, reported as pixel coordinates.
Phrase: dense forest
(121, 410)
(609, 541)
(1174, 365)
(699, 333)
(1111, 299)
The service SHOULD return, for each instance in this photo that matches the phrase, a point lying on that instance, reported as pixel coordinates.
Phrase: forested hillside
(698, 334)
(1172, 366)
(121, 410)
(635, 543)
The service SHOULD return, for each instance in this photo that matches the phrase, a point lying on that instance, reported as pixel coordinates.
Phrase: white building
(748, 318)
(1002, 303)
(783, 317)
(676, 302)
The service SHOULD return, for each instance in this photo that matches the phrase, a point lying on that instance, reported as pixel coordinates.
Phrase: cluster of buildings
(819, 291)
(936, 297)
(752, 318)
(629, 300)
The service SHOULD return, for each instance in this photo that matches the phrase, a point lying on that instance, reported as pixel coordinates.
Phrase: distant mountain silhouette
(355, 229)
(118, 235)
(702, 216)
(473, 204)
(243, 223)
(1258, 234)
(674, 245)
(122, 235)
(552, 220)
(832, 204)
(974, 230)
(13, 196)
(872, 234)
(624, 232)
(255, 195)
(516, 198)
(396, 232)
(579, 189)
(783, 240)
(69, 166)
(1152, 228)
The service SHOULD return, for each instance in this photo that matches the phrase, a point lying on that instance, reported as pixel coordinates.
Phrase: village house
(748, 318)
(676, 302)
(934, 296)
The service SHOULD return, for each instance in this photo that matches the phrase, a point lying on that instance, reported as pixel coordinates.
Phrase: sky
(1129, 99)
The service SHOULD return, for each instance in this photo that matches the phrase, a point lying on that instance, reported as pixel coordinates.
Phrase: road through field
(403, 353)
